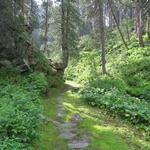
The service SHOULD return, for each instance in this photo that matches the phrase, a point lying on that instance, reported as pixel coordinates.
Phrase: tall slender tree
(148, 25)
(100, 4)
(69, 22)
(46, 25)
(139, 22)
(116, 21)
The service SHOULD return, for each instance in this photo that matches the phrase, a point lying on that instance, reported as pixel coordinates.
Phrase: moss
(104, 132)
(49, 135)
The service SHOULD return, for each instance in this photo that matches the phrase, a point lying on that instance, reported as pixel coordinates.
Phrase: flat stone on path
(69, 130)
(68, 125)
(60, 98)
(77, 144)
(68, 135)
(61, 109)
(60, 114)
(72, 130)
(76, 118)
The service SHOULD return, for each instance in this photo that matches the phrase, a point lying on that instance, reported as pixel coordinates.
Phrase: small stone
(73, 130)
(68, 135)
(68, 125)
(61, 108)
(59, 114)
(60, 98)
(75, 144)
(76, 118)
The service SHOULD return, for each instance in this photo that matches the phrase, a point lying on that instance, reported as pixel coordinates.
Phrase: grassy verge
(105, 132)
(49, 136)
(20, 108)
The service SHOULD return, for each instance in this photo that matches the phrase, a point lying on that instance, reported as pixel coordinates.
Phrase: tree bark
(127, 29)
(120, 32)
(64, 26)
(22, 7)
(31, 9)
(139, 23)
(102, 35)
(148, 26)
(46, 28)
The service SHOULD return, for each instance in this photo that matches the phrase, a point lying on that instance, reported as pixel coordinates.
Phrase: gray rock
(68, 135)
(61, 108)
(68, 125)
(76, 118)
(60, 98)
(76, 144)
(60, 114)
(72, 130)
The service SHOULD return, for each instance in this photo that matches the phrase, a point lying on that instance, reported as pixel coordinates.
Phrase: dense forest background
(102, 45)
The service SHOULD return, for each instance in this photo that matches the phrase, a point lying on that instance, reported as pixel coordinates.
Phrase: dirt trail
(69, 130)
(70, 124)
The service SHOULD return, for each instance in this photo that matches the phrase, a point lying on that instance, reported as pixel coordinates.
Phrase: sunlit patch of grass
(105, 133)
(49, 136)
(108, 140)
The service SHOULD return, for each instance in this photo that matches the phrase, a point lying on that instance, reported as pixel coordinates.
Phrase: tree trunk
(148, 26)
(139, 23)
(46, 28)
(127, 29)
(115, 19)
(31, 9)
(110, 19)
(22, 7)
(131, 13)
(102, 37)
(64, 26)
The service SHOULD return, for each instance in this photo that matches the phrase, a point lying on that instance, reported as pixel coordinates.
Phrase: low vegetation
(103, 130)
(49, 135)
(21, 104)
(124, 91)
(104, 46)
(132, 109)
(20, 108)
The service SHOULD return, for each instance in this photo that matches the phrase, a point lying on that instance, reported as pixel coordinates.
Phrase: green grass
(49, 136)
(105, 133)
(104, 137)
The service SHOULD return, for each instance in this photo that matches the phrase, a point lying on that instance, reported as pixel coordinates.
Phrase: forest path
(70, 124)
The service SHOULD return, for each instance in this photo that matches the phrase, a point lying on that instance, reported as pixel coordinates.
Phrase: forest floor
(71, 124)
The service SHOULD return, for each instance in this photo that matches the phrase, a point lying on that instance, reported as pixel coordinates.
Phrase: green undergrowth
(125, 90)
(133, 67)
(20, 108)
(21, 95)
(128, 69)
(49, 138)
(42, 64)
(104, 132)
(131, 109)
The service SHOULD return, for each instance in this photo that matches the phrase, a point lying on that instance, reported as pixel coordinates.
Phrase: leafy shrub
(41, 64)
(11, 144)
(132, 67)
(129, 70)
(146, 38)
(107, 83)
(115, 102)
(84, 68)
(37, 82)
(86, 43)
(19, 109)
